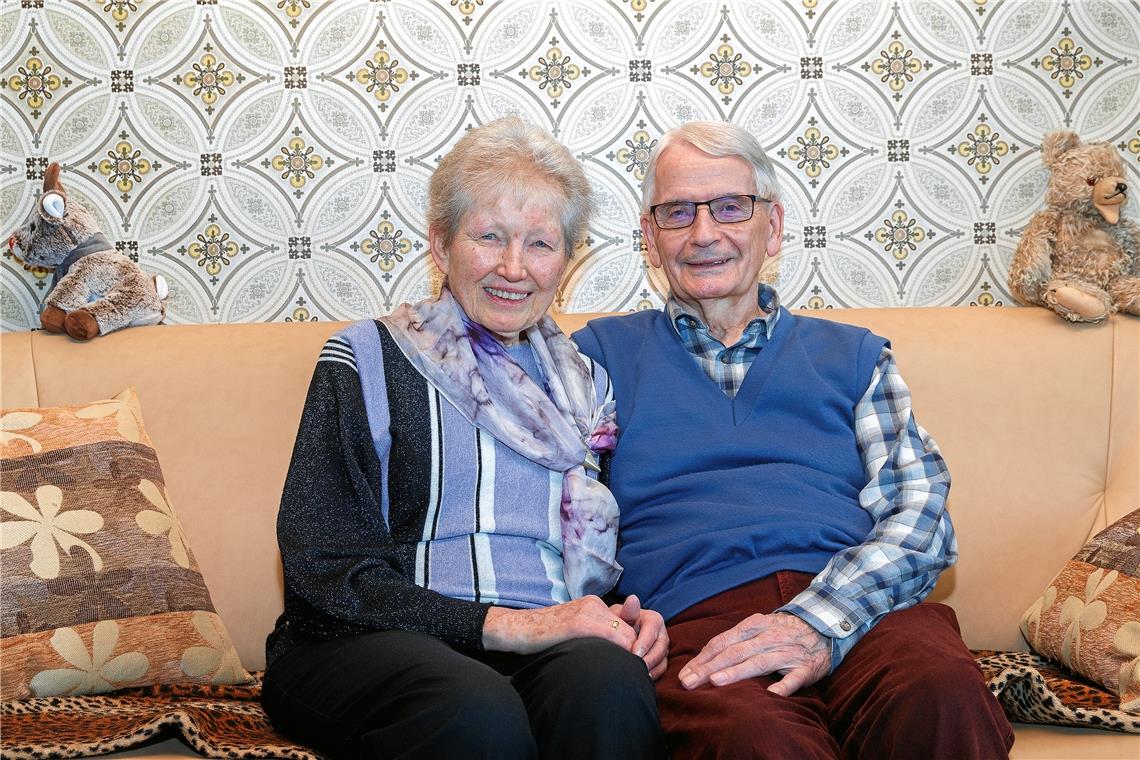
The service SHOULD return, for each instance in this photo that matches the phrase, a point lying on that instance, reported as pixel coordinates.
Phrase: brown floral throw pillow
(1089, 616)
(100, 589)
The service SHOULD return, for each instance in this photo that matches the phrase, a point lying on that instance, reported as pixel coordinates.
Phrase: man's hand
(757, 646)
(652, 644)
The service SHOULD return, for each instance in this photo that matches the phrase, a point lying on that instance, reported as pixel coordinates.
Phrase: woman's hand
(533, 630)
(652, 643)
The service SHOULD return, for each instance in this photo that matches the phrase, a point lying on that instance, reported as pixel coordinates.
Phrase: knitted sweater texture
(716, 492)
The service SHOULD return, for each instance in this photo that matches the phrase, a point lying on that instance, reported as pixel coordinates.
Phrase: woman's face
(505, 262)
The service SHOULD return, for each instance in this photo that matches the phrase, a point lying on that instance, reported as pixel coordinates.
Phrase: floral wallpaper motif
(270, 158)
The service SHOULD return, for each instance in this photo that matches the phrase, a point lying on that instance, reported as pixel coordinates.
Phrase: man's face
(707, 259)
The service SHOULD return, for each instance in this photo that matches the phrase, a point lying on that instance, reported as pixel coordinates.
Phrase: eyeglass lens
(726, 210)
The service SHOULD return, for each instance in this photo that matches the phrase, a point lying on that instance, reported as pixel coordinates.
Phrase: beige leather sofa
(1037, 418)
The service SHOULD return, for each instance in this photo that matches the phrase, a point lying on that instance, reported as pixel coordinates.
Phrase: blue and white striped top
(399, 513)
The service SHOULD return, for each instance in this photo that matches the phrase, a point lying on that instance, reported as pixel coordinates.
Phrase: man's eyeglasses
(727, 209)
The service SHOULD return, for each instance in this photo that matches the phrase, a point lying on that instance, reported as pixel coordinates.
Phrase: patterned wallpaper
(270, 157)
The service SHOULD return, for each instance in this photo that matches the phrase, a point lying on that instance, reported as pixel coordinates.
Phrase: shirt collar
(766, 298)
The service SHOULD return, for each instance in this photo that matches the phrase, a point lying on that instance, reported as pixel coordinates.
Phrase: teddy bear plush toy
(1078, 257)
(94, 288)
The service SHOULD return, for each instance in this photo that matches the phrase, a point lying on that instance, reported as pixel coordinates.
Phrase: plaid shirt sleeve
(912, 541)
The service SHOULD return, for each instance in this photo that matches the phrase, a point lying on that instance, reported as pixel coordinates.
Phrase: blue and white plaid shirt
(912, 541)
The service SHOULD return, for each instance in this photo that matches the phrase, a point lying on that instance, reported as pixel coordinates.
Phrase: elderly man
(780, 505)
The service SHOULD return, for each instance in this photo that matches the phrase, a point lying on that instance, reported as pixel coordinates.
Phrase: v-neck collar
(749, 393)
(743, 404)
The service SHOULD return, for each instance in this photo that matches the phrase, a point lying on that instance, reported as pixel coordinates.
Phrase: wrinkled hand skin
(533, 630)
(760, 645)
(652, 643)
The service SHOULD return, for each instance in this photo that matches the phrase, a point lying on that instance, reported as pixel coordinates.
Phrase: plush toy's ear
(53, 205)
(1056, 144)
(51, 178)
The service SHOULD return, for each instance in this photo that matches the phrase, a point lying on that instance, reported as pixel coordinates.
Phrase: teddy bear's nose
(1121, 188)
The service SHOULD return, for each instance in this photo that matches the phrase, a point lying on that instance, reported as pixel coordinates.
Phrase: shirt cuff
(842, 632)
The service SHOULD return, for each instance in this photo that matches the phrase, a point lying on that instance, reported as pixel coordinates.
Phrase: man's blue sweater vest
(716, 492)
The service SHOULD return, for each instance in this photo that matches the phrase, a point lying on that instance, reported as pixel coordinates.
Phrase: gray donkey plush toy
(95, 289)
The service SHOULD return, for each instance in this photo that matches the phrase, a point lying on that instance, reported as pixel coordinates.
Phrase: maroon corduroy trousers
(908, 689)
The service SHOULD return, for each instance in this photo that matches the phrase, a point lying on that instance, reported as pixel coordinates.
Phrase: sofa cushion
(1089, 616)
(100, 587)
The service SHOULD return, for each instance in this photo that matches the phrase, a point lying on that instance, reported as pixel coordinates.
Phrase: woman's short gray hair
(717, 138)
(506, 156)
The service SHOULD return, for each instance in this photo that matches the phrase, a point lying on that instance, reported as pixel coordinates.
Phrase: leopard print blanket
(1033, 689)
(214, 721)
(228, 722)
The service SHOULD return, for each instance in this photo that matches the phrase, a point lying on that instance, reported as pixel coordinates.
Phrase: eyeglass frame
(697, 205)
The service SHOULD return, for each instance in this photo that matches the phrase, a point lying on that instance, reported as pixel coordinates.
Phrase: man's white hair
(717, 138)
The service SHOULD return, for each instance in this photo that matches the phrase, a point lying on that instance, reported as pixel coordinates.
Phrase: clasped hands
(760, 645)
(629, 626)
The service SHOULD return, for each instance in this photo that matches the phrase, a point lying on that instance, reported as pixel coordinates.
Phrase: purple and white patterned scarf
(563, 431)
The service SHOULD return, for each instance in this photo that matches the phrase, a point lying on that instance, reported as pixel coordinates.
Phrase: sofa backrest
(1038, 419)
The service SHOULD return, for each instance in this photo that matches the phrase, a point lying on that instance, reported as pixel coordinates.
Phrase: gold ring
(616, 624)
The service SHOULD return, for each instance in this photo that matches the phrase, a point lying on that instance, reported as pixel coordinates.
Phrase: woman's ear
(438, 249)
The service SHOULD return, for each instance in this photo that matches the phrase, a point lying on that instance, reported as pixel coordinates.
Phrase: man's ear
(775, 228)
(649, 242)
(437, 249)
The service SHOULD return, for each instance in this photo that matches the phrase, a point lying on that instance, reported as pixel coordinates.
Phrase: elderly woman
(442, 541)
